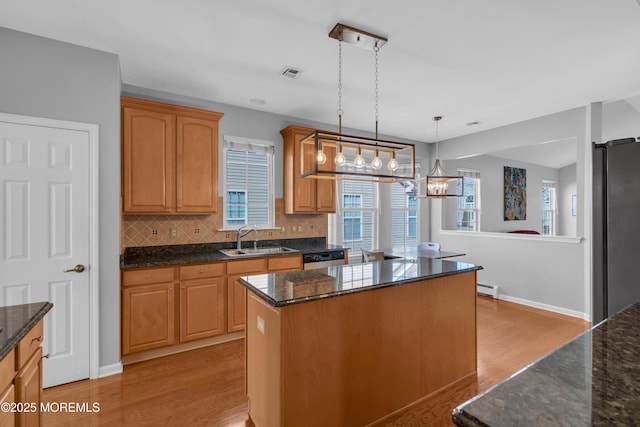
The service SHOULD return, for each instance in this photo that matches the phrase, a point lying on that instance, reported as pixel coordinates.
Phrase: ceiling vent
(473, 123)
(291, 72)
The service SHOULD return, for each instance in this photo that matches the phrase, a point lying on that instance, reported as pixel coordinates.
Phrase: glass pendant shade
(440, 184)
(376, 163)
(339, 159)
(393, 163)
(321, 157)
(359, 160)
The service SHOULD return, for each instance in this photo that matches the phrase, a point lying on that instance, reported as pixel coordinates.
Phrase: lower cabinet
(148, 317)
(28, 385)
(201, 309)
(170, 305)
(21, 381)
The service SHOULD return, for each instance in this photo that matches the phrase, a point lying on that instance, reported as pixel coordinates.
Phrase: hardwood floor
(205, 387)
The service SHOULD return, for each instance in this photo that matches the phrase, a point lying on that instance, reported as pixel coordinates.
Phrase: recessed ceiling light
(473, 123)
(291, 72)
(257, 101)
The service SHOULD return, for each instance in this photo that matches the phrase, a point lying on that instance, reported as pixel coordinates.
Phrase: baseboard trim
(106, 371)
(547, 307)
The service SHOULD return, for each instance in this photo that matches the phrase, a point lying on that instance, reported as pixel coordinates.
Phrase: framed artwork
(515, 194)
(574, 207)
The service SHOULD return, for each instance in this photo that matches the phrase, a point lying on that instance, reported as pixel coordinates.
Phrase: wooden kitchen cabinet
(237, 293)
(169, 158)
(148, 309)
(202, 301)
(28, 391)
(305, 195)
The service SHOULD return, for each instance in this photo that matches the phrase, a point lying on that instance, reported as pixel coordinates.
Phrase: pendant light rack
(334, 155)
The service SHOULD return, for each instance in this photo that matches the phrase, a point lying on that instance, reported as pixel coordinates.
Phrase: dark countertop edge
(275, 303)
(460, 417)
(215, 256)
(13, 340)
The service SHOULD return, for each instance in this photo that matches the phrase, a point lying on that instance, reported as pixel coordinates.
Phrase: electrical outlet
(299, 228)
(196, 231)
(174, 233)
(261, 324)
(270, 233)
(154, 232)
(227, 235)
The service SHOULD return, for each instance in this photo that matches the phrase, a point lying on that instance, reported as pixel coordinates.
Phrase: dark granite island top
(281, 289)
(17, 320)
(593, 380)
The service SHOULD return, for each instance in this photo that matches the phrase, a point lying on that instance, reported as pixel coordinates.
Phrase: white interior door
(44, 230)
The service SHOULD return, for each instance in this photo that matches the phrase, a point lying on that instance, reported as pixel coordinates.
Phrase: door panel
(44, 227)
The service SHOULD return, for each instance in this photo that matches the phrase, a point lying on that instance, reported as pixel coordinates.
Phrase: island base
(353, 359)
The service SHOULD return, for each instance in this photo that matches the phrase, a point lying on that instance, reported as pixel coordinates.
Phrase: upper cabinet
(304, 195)
(169, 158)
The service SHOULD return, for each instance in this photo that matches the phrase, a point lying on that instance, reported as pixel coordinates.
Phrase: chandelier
(334, 155)
(438, 183)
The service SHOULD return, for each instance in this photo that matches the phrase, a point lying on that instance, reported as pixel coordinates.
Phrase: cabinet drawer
(202, 270)
(146, 276)
(246, 266)
(29, 344)
(8, 369)
(285, 263)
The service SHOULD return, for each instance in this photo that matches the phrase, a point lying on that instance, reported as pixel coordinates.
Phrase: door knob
(78, 269)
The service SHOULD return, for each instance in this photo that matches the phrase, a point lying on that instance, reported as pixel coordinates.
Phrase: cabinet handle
(37, 339)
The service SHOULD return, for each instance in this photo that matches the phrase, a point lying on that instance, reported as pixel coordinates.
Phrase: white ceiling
(496, 61)
(552, 154)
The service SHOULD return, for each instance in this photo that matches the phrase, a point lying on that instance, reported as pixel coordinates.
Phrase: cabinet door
(299, 193)
(29, 390)
(326, 188)
(196, 165)
(147, 160)
(8, 418)
(148, 317)
(201, 308)
(236, 304)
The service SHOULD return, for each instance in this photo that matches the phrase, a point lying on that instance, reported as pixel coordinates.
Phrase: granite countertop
(280, 289)
(158, 256)
(593, 380)
(16, 321)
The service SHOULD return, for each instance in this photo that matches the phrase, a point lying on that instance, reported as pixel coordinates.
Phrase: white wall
(492, 193)
(46, 78)
(567, 223)
(621, 120)
(549, 272)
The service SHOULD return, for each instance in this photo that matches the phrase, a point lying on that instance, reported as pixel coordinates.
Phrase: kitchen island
(593, 380)
(349, 345)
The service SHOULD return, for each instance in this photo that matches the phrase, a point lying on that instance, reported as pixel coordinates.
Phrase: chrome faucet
(240, 235)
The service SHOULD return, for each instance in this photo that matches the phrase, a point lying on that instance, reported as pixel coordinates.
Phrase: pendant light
(368, 155)
(439, 183)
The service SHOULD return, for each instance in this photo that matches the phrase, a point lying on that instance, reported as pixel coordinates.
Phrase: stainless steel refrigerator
(616, 226)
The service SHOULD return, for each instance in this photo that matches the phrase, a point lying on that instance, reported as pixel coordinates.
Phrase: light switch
(261, 324)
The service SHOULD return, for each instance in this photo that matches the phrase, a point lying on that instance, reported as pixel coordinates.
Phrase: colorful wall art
(515, 194)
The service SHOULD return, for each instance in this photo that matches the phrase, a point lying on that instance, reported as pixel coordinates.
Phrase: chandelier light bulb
(393, 163)
(321, 157)
(358, 161)
(339, 159)
(376, 163)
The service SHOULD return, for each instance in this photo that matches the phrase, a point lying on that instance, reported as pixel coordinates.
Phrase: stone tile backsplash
(156, 230)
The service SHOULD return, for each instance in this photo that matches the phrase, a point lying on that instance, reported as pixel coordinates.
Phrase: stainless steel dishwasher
(322, 259)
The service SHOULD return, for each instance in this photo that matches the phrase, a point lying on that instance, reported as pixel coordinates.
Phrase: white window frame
(256, 145)
(553, 199)
(407, 210)
(476, 210)
(336, 222)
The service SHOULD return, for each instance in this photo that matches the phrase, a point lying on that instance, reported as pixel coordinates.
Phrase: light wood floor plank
(205, 387)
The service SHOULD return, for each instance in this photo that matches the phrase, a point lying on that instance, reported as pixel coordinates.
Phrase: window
(358, 214)
(248, 182)
(468, 206)
(549, 210)
(404, 215)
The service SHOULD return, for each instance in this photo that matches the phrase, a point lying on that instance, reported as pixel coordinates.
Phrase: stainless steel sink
(257, 252)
